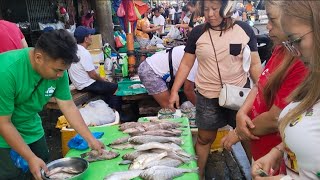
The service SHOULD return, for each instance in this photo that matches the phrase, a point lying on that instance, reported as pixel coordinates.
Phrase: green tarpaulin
(124, 90)
(98, 170)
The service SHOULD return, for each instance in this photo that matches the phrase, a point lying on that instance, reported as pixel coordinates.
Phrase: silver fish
(160, 126)
(134, 130)
(68, 170)
(122, 146)
(106, 155)
(176, 124)
(164, 172)
(152, 145)
(165, 162)
(162, 132)
(141, 161)
(123, 175)
(120, 140)
(173, 155)
(148, 138)
(61, 175)
(132, 155)
(128, 125)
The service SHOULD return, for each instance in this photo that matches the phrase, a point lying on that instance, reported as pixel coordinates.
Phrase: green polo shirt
(23, 93)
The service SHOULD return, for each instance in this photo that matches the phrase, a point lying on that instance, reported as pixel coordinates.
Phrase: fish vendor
(29, 78)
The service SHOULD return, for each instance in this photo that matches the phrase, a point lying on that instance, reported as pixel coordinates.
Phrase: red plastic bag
(118, 42)
(132, 16)
(121, 12)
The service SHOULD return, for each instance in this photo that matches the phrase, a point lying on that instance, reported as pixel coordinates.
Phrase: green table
(98, 170)
(124, 90)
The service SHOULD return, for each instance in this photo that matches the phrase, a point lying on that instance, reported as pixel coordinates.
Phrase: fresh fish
(61, 175)
(125, 162)
(174, 155)
(152, 145)
(160, 126)
(148, 138)
(123, 175)
(133, 155)
(164, 172)
(68, 170)
(106, 155)
(162, 132)
(120, 140)
(128, 125)
(134, 130)
(122, 146)
(165, 162)
(141, 161)
(177, 124)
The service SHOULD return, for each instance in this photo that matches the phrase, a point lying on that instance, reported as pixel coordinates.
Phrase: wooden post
(104, 19)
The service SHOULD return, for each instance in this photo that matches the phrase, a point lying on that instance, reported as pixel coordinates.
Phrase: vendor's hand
(174, 100)
(269, 163)
(96, 145)
(244, 124)
(230, 139)
(35, 165)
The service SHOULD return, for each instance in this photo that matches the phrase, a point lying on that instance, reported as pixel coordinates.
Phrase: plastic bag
(97, 113)
(155, 40)
(77, 142)
(121, 12)
(174, 33)
(132, 16)
(18, 161)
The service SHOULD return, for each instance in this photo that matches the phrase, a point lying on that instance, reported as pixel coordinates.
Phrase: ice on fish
(123, 175)
(164, 172)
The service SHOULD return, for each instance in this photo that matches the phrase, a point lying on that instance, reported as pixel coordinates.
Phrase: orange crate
(66, 135)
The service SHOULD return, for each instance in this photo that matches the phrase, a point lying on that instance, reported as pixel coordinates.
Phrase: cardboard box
(96, 42)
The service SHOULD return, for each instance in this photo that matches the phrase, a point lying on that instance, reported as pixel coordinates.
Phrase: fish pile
(94, 155)
(157, 152)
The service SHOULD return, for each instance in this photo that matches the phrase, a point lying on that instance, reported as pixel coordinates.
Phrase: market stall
(99, 170)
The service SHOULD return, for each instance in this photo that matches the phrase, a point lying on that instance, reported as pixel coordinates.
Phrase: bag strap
(170, 67)
(214, 49)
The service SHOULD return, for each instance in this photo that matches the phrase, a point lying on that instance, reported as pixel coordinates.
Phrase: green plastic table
(124, 90)
(98, 170)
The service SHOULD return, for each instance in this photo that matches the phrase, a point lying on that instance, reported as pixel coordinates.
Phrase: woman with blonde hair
(299, 121)
(257, 119)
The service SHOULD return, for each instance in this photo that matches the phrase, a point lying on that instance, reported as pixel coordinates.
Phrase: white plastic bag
(97, 113)
(174, 33)
(155, 40)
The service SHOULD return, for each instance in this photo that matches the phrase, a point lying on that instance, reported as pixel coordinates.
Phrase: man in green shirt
(29, 78)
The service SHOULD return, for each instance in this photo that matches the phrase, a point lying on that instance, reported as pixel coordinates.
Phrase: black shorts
(211, 116)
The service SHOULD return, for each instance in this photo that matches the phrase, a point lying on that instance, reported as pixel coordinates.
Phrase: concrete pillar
(104, 19)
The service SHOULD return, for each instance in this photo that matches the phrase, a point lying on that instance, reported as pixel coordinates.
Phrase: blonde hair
(306, 12)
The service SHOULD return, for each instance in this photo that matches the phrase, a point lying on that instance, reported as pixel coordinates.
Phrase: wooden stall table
(98, 170)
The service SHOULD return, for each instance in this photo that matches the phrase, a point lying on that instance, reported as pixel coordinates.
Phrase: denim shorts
(153, 82)
(211, 116)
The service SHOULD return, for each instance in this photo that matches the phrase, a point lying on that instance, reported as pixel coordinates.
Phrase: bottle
(102, 72)
(19, 162)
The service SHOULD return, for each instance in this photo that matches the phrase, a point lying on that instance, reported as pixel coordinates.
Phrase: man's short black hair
(156, 10)
(59, 44)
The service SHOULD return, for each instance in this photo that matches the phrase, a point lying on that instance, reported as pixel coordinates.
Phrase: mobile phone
(262, 173)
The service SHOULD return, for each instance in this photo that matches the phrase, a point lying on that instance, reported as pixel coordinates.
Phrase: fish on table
(120, 140)
(148, 138)
(122, 146)
(143, 160)
(123, 175)
(164, 172)
(94, 155)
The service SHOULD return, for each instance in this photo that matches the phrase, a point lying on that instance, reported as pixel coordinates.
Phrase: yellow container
(216, 145)
(66, 135)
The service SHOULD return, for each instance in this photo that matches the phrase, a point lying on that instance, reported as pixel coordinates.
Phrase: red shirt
(10, 36)
(294, 77)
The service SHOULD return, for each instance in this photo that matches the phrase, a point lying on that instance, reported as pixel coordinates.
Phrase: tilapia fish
(62, 173)
(176, 124)
(128, 125)
(165, 162)
(143, 160)
(164, 172)
(120, 140)
(122, 146)
(157, 126)
(152, 145)
(175, 155)
(106, 155)
(162, 132)
(132, 155)
(148, 138)
(123, 175)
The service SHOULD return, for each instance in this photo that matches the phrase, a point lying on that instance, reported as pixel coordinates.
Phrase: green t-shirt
(23, 94)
